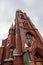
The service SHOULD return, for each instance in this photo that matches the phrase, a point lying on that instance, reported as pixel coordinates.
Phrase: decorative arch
(38, 52)
(37, 49)
(37, 56)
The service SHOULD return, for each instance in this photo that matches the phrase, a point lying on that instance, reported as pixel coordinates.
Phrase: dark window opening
(14, 31)
(37, 55)
(29, 39)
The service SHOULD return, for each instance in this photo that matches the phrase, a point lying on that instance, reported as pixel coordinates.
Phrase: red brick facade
(24, 45)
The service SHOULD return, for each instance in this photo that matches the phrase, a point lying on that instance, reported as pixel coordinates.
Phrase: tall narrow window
(14, 53)
(29, 39)
(11, 53)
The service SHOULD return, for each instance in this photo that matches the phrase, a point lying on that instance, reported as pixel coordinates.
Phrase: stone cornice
(9, 59)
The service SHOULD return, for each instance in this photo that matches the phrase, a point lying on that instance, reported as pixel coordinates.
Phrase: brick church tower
(24, 44)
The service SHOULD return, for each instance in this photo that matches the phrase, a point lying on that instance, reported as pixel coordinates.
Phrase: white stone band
(17, 54)
(10, 59)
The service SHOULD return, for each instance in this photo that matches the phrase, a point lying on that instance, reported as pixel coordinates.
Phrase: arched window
(11, 53)
(14, 53)
(39, 57)
(29, 39)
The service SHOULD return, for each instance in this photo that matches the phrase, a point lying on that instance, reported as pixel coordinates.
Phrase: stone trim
(17, 54)
(10, 59)
(26, 46)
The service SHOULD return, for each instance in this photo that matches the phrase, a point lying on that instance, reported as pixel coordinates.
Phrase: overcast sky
(33, 8)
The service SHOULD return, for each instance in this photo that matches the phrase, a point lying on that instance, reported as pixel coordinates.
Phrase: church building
(24, 44)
